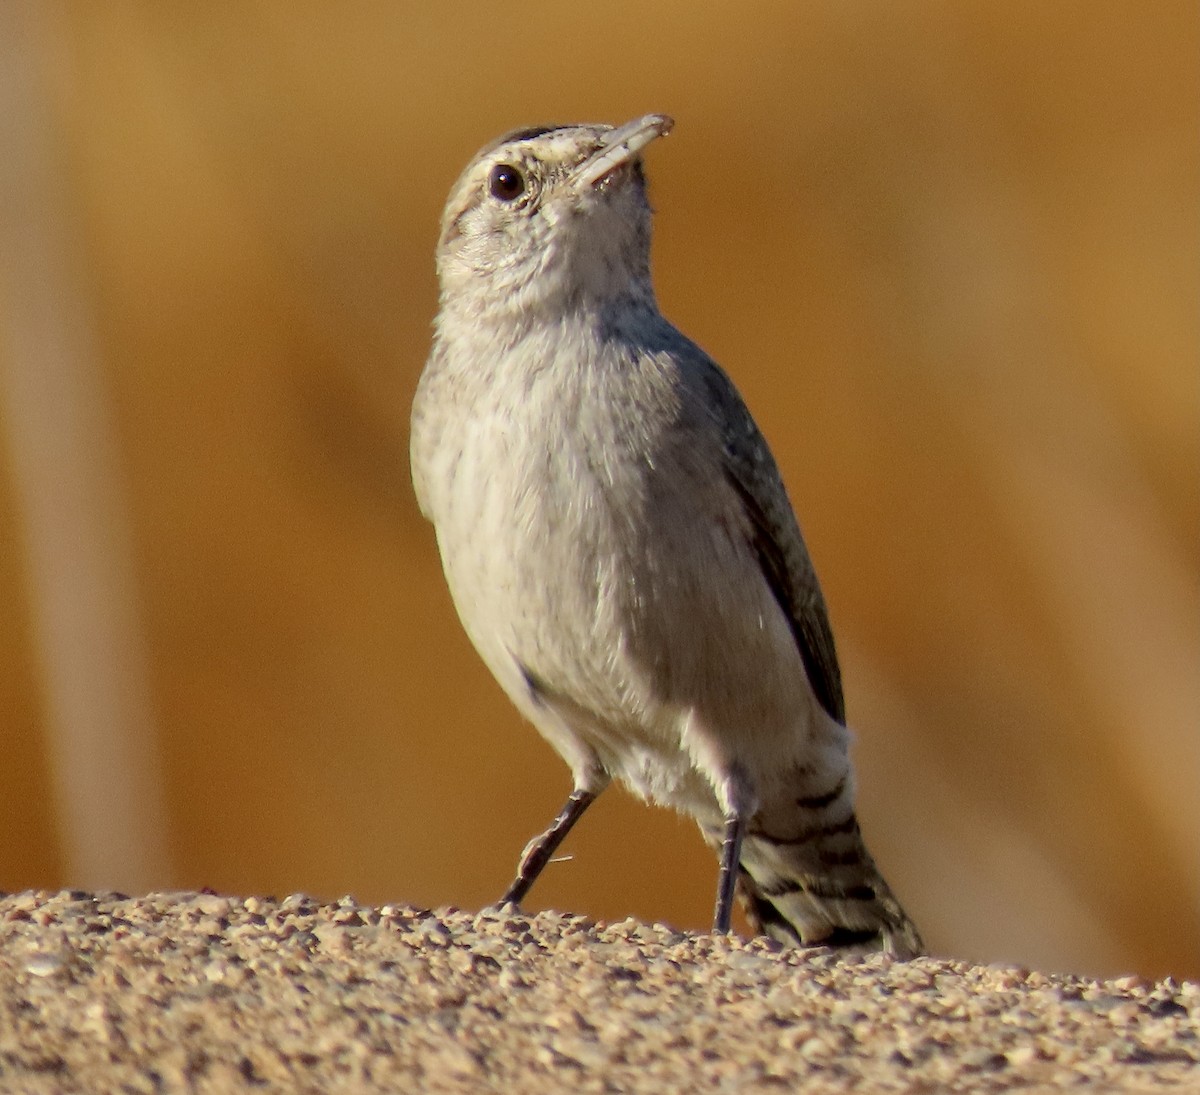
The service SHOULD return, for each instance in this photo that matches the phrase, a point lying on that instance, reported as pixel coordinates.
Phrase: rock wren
(619, 544)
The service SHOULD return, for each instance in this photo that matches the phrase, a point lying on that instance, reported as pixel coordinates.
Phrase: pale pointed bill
(621, 146)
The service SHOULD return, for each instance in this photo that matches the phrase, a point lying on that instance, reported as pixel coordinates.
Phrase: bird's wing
(775, 536)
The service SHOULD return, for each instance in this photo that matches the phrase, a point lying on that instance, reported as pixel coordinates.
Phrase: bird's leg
(731, 854)
(539, 850)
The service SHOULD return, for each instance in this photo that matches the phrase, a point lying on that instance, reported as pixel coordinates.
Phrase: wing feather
(775, 537)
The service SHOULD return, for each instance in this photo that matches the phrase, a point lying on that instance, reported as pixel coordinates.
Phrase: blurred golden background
(948, 251)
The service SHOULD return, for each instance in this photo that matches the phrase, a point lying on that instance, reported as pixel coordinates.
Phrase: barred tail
(822, 888)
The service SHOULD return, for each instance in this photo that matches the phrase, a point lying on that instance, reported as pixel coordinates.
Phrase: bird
(619, 545)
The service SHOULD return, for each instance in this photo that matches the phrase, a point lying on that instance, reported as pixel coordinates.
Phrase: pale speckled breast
(590, 541)
(537, 512)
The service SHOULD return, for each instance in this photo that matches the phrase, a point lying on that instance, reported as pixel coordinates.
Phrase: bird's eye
(506, 183)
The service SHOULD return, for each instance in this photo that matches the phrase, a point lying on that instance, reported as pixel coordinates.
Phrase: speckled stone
(204, 993)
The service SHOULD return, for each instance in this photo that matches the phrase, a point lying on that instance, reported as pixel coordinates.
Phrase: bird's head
(549, 219)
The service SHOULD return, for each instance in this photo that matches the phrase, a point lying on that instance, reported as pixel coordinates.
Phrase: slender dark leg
(731, 854)
(539, 850)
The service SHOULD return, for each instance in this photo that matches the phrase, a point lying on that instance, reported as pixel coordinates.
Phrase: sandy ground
(196, 992)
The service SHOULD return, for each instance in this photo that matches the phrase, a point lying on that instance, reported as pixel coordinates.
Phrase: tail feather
(823, 889)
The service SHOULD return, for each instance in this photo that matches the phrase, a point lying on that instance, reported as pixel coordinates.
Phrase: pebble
(44, 965)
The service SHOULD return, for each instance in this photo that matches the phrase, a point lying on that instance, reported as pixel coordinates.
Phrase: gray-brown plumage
(619, 543)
